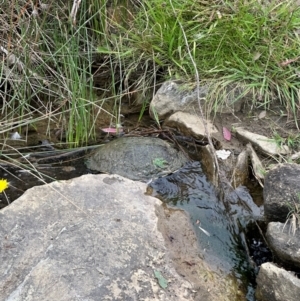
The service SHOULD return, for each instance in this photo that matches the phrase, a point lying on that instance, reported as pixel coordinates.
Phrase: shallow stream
(220, 225)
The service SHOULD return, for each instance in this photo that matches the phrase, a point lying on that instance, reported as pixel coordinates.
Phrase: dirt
(268, 123)
(274, 122)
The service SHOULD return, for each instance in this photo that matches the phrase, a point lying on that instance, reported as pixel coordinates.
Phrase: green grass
(239, 48)
(51, 77)
(292, 140)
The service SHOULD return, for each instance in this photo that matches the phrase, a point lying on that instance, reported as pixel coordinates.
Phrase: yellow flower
(3, 185)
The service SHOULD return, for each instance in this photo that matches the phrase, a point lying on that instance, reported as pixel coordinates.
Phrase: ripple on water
(219, 224)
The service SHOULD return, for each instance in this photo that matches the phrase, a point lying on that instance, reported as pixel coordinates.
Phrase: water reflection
(219, 224)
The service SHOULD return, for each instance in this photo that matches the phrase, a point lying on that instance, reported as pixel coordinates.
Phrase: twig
(14, 60)
(74, 11)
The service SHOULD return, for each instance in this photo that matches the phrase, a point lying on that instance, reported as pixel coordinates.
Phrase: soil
(268, 123)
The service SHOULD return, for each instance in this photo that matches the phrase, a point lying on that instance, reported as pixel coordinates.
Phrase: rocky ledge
(99, 237)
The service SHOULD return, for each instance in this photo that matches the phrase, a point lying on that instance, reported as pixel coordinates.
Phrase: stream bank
(235, 208)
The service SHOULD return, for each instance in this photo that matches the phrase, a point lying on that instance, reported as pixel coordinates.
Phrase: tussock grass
(240, 48)
(293, 217)
(46, 71)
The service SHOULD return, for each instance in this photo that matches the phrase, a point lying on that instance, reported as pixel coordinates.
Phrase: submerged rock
(276, 284)
(137, 158)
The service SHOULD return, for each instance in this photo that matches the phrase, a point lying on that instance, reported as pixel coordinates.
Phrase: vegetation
(293, 217)
(51, 54)
(240, 47)
(292, 141)
(3, 185)
(46, 72)
(160, 162)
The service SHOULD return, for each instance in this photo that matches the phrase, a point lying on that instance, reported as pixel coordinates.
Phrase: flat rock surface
(262, 143)
(284, 243)
(96, 238)
(190, 124)
(276, 284)
(281, 191)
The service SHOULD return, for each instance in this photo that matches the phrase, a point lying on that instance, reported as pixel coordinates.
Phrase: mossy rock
(137, 158)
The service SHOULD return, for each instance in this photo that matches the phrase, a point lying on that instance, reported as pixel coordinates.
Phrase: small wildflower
(3, 185)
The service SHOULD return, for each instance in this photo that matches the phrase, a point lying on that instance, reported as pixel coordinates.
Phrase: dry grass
(293, 218)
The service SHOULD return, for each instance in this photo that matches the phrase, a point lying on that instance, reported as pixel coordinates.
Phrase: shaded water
(22, 178)
(219, 224)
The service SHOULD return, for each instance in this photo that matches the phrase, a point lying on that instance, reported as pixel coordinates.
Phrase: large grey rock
(174, 96)
(137, 158)
(281, 191)
(96, 238)
(276, 284)
(284, 243)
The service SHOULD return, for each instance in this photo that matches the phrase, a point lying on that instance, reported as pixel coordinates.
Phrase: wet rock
(209, 164)
(262, 143)
(137, 158)
(174, 96)
(246, 205)
(190, 125)
(240, 173)
(284, 242)
(276, 284)
(97, 236)
(281, 191)
(257, 167)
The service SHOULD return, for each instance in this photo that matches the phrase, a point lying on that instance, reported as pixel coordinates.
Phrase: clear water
(219, 224)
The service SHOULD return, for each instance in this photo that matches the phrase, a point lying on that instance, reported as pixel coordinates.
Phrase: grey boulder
(281, 191)
(284, 244)
(276, 284)
(96, 238)
(174, 96)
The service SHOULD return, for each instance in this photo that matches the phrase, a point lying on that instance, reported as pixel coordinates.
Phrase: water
(22, 178)
(219, 224)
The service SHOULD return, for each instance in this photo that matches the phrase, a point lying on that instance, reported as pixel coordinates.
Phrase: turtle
(137, 158)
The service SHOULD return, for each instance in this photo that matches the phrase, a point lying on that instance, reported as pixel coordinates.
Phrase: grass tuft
(246, 49)
(242, 50)
(293, 217)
